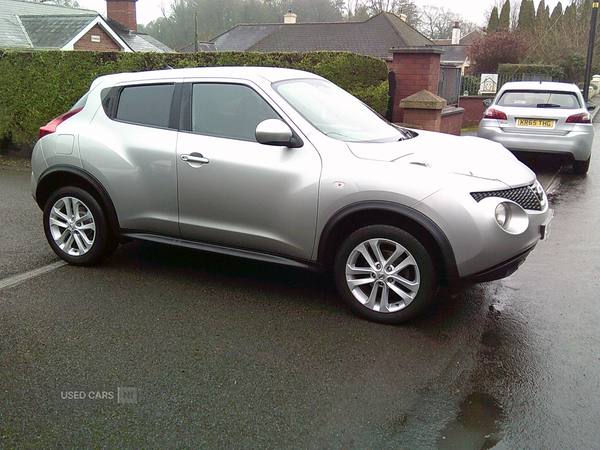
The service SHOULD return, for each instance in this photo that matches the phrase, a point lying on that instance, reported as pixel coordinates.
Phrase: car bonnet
(470, 156)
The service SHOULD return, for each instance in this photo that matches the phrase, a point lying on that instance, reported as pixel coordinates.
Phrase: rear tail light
(492, 113)
(51, 126)
(580, 118)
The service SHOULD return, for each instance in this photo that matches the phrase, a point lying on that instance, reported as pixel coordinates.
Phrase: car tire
(581, 167)
(77, 228)
(385, 274)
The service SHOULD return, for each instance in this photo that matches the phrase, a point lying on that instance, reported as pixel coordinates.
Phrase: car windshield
(540, 99)
(336, 113)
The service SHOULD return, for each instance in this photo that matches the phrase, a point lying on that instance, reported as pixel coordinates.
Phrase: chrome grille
(527, 197)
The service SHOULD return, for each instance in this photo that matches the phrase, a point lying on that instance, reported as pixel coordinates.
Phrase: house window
(95, 38)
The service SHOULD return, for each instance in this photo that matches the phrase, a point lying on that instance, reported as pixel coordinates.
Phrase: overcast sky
(472, 10)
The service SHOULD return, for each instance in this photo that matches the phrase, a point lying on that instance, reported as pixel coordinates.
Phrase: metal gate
(449, 84)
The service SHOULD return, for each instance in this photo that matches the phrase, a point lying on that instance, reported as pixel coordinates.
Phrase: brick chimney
(123, 11)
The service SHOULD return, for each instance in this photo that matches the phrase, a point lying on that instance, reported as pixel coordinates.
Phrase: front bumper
(497, 272)
(505, 268)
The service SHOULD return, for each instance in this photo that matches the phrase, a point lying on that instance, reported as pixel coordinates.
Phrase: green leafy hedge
(35, 87)
(539, 69)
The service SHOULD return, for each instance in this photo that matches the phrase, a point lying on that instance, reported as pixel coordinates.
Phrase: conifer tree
(557, 13)
(542, 16)
(526, 22)
(504, 19)
(494, 20)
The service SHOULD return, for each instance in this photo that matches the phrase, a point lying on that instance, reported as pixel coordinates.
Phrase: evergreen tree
(494, 20)
(542, 16)
(526, 22)
(504, 20)
(569, 18)
(557, 13)
(584, 13)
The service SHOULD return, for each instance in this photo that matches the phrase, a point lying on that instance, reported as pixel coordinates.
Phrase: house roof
(453, 54)
(473, 36)
(31, 25)
(467, 39)
(53, 32)
(202, 47)
(12, 34)
(138, 42)
(374, 37)
(243, 37)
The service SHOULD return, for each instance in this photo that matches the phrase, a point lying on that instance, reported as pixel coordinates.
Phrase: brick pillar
(123, 11)
(416, 69)
(423, 110)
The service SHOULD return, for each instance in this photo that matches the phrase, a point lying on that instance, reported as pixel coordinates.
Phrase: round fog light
(502, 215)
(511, 217)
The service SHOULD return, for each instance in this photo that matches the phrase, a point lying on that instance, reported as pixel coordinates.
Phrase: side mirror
(590, 106)
(488, 102)
(277, 132)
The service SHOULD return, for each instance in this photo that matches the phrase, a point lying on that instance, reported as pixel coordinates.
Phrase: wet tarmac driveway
(164, 348)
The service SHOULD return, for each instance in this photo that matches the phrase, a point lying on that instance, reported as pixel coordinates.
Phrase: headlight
(511, 217)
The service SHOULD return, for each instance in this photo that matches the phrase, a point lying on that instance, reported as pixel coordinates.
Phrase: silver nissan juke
(282, 166)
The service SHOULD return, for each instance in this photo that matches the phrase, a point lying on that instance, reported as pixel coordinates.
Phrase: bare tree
(373, 7)
(69, 3)
(437, 22)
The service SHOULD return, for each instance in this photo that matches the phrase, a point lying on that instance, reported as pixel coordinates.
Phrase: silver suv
(283, 166)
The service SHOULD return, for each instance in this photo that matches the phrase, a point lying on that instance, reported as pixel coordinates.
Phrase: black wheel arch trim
(450, 268)
(46, 185)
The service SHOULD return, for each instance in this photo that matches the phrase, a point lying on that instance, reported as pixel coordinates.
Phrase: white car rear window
(540, 99)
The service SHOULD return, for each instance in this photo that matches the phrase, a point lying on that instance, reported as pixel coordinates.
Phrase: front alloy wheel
(76, 227)
(385, 274)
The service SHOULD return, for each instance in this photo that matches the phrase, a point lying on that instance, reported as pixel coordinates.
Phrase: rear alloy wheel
(76, 227)
(385, 274)
(582, 167)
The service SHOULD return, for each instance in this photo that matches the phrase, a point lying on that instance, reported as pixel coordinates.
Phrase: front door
(237, 192)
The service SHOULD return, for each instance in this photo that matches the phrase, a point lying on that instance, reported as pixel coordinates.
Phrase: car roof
(540, 86)
(271, 74)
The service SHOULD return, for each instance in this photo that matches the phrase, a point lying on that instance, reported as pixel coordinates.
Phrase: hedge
(539, 69)
(35, 87)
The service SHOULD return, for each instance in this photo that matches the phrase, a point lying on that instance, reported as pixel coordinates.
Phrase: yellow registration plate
(543, 123)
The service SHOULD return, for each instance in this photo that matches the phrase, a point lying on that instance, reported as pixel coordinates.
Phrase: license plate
(542, 123)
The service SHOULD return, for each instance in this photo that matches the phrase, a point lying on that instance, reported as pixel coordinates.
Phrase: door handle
(194, 158)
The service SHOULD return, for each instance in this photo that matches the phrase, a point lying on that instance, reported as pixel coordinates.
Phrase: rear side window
(146, 105)
(540, 99)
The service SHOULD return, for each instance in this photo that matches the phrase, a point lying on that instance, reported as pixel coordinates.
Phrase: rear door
(235, 191)
(131, 150)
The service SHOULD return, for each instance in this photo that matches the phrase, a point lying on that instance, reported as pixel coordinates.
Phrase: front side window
(540, 99)
(335, 112)
(228, 110)
(146, 105)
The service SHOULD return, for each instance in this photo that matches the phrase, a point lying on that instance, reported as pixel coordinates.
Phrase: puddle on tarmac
(477, 426)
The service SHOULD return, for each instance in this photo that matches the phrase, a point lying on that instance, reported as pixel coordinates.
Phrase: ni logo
(127, 395)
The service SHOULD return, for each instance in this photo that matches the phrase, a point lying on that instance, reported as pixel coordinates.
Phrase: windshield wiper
(548, 105)
(406, 134)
